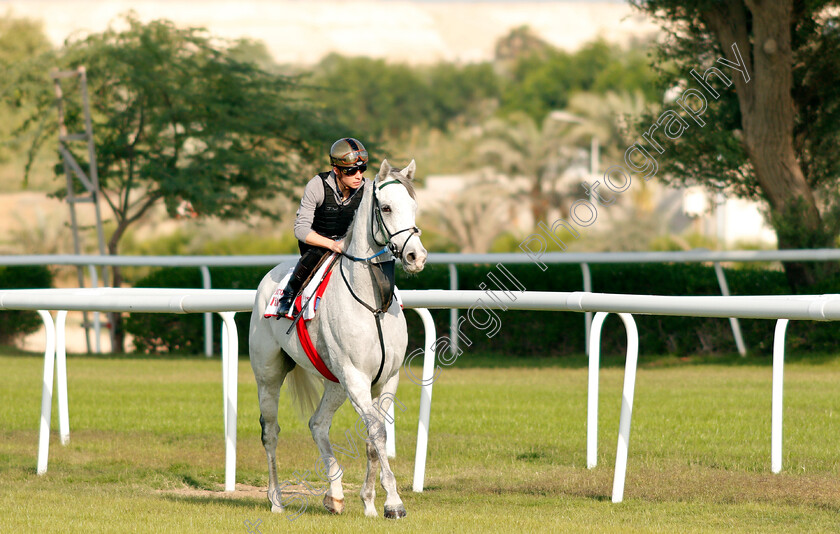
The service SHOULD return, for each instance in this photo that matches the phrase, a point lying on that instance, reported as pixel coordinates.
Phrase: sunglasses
(350, 171)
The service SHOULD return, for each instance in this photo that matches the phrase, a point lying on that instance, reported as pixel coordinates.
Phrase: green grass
(506, 452)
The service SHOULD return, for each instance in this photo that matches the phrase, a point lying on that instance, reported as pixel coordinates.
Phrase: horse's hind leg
(270, 374)
(359, 393)
(319, 425)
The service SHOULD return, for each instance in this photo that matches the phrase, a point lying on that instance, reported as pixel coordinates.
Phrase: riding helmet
(348, 152)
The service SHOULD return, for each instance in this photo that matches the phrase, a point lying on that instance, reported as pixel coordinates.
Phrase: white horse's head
(396, 209)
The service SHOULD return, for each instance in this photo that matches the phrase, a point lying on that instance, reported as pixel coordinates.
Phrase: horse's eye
(386, 209)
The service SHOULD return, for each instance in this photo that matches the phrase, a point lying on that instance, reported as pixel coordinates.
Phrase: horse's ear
(408, 172)
(384, 169)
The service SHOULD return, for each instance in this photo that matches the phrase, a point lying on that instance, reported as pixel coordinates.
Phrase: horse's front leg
(319, 425)
(368, 493)
(372, 415)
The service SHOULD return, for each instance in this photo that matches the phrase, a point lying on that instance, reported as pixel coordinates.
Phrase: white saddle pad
(309, 312)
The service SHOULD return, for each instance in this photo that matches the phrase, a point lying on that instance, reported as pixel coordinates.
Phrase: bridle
(377, 219)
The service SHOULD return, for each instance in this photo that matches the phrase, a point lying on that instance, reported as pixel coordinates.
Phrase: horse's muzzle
(414, 256)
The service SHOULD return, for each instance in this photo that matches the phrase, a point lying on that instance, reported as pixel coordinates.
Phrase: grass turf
(506, 450)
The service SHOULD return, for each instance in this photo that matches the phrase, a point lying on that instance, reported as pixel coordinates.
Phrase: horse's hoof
(395, 512)
(334, 506)
(276, 503)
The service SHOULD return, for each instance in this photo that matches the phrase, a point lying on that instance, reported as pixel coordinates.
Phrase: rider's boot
(289, 294)
(306, 265)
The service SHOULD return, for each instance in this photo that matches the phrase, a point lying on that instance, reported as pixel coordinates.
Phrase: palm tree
(518, 147)
(606, 117)
(475, 217)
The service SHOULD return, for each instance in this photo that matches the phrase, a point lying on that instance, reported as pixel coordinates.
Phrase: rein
(377, 313)
(366, 260)
(387, 246)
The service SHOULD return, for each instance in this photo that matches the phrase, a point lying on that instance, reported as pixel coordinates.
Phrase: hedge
(532, 332)
(165, 332)
(14, 324)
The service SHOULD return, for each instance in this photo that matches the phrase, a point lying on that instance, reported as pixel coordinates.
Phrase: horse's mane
(397, 175)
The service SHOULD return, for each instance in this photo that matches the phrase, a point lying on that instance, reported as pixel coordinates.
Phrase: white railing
(451, 259)
(225, 302)
(228, 302)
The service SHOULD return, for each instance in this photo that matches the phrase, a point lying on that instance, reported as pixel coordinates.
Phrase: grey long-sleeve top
(313, 196)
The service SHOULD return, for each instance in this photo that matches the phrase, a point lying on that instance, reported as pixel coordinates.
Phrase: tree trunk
(767, 118)
(117, 330)
(539, 203)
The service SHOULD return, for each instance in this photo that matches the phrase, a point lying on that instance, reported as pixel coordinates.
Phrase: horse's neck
(359, 241)
(360, 244)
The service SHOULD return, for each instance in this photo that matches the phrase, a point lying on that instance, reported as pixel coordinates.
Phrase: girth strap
(381, 348)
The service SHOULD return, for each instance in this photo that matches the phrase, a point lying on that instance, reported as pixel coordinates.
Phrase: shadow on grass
(239, 502)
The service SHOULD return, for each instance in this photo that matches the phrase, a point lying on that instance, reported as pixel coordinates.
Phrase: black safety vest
(333, 219)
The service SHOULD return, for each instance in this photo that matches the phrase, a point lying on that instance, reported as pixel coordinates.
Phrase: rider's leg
(307, 263)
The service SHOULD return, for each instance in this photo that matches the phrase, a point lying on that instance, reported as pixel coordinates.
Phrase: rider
(329, 202)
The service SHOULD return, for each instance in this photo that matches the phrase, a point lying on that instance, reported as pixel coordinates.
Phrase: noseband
(413, 230)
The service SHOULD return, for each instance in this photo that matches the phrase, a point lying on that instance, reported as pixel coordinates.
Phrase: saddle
(383, 277)
(313, 286)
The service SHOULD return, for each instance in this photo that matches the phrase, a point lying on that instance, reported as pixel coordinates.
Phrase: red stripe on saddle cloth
(303, 334)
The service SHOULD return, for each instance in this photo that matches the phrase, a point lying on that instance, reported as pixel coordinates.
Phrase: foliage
(20, 41)
(474, 217)
(176, 117)
(159, 332)
(384, 100)
(394, 100)
(795, 171)
(520, 147)
(547, 79)
(14, 324)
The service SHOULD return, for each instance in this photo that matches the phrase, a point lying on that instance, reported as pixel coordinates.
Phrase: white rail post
(225, 356)
(778, 385)
(587, 316)
(208, 317)
(425, 401)
(592, 391)
(626, 406)
(453, 312)
(97, 322)
(46, 393)
(61, 375)
(230, 377)
(733, 321)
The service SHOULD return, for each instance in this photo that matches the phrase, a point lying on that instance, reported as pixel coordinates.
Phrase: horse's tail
(304, 390)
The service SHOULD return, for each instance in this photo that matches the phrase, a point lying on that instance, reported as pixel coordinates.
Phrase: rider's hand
(337, 246)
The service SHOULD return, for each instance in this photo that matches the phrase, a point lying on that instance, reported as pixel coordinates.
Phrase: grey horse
(345, 334)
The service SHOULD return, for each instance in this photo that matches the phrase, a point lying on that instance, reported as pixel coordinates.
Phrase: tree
(475, 216)
(389, 100)
(543, 78)
(519, 147)
(20, 40)
(177, 118)
(775, 138)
